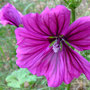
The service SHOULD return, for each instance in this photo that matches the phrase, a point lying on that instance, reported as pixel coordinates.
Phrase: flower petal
(49, 22)
(78, 34)
(55, 69)
(29, 45)
(9, 15)
(75, 64)
(27, 38)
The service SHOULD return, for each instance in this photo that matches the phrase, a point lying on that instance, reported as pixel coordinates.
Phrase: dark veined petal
(29, 45)
(27, 38)
(49, 22)
(78, 34)
(9, 15)
(74, 64)
(55, 69)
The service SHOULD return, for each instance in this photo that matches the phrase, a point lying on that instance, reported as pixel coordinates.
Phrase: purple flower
(10, 15)
(42, 45)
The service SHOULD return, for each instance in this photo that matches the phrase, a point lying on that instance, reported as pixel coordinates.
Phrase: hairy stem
(73, 14)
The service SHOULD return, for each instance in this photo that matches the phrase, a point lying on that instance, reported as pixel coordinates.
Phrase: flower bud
(73, 3)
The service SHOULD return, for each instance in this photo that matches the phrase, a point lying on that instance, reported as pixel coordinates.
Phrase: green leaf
(19, 77)
(14, 84)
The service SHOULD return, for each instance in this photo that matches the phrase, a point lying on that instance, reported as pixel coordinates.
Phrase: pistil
(56, 45)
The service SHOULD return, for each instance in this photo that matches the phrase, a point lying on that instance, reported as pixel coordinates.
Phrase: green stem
(73, 19)
(68, 86)
(73, 14)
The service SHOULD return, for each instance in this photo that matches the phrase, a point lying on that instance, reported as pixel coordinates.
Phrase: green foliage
(17, 78)
(27, 7)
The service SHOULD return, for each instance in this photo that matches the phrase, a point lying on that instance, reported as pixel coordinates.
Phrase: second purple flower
(10, 15)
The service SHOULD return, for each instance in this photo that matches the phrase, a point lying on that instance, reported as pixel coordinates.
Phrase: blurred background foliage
(14, 78)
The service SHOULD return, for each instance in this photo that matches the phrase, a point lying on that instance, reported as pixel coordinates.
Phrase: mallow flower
(44, 45)
(10, 15)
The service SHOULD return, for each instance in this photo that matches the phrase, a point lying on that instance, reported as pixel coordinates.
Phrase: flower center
(56, 45)
(56, 42)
